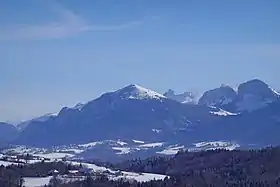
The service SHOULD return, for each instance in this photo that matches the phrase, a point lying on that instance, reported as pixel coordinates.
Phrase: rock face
(251, 95)
(220, 97)
(255, 94)
(186, 97)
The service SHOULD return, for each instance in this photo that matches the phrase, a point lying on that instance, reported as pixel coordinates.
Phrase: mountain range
(249, 115)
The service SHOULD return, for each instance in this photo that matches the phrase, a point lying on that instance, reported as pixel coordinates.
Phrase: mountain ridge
(137, 113)
(186, 97)
(251, 95)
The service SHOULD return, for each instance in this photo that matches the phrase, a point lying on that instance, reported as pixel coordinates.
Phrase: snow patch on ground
(54, 155)
(94, 167)
(121, 143)
(216, 145)
(138, 141)
(90, 144)
(6, 163)
(122, 150)
(142, 177)
(76, 151)
(223, 113)
(159, 144)
(171, 150)
(156, 130)
(36, 181)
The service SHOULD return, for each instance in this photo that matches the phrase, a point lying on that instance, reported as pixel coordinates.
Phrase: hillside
(214, 168)
(217, 168)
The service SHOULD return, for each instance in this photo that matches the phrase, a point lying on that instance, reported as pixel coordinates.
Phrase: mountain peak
(255, 94)
(186, 97)
(218, 97)
(134, 91)
(256, 87)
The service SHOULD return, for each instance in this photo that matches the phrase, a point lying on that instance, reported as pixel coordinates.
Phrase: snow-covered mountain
(134, 91)
(130, 112)
(21, 126)
(219, 97)
(255, 94)
(250, 96)
(186, 97)
(249, 115)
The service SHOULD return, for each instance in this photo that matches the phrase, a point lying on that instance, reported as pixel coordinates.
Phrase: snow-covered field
(138, 141)
(42, 181)
(54, 155)
(157, 144)
(90, 144)
(140, 177)
(7, 163)
(36, 181)
(112, 174)
(94, 167)
(216, 145)
(171, 150)
(121, 150)
(70, 153)
(118, 148)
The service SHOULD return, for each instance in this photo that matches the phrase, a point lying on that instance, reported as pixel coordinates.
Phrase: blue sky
(57, 53)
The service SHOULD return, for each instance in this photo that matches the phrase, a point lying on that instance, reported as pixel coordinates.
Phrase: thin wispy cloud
(69, 24)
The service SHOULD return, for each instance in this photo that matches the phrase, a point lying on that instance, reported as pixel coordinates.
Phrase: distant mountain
(250, 96)
(248, 116)
(8, 132)
(186, 97)
(255, 94)
(219, 97)
(21, 126)
(130, 112)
